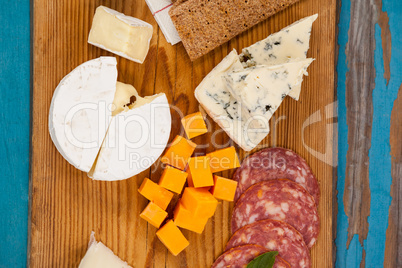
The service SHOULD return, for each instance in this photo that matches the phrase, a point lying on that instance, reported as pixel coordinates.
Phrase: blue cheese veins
(214, 96)
(291, 42)
(262, 89)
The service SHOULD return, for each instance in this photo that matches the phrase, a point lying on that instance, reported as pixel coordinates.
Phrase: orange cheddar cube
(155, 193)
(171, 236)
(154, 214)
(173, 179)
(223, 159)
(200, 172)
(194, 125)
(200, 202)
(186, 220)
(179, 152)
(224, 189)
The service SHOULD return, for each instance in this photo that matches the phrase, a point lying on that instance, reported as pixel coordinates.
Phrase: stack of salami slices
(276, 210)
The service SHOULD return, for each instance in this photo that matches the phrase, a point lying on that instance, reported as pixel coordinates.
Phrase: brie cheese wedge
(80, 111)
(103, 127)
(100, 256)
(291, 42)
(135, 139)
(122, 35)
(214, 96)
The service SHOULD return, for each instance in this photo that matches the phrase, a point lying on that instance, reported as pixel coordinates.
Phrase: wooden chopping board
(66, 205)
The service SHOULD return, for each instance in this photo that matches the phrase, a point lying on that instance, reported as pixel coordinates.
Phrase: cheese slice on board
(290, 42)
(261, 89)
(100, 256)
(214, 96)
(80, 111)
(123, 35)
(135, 139)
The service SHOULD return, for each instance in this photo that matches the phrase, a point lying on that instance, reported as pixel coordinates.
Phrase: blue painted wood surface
(370, 251)
(14, 131)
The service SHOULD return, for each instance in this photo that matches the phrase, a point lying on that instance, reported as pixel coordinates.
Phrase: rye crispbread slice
(206, 24)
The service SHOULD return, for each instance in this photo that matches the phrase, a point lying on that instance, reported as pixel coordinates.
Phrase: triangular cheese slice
(292, 42)
(214, 96)
(261, 89)
(136, 138)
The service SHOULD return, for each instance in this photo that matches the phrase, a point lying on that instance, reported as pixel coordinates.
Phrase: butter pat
(122, 35)
(100, 256)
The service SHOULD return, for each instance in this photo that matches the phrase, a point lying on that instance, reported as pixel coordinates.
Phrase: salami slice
(282, 200)
(274, 236)
(276, 163)
(239, 257)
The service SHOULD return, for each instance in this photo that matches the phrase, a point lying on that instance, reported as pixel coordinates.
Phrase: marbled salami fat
(276, 163)
(239, 257)
(281, 200)
(274, 236)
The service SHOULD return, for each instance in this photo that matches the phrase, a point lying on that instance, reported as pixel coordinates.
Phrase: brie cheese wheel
(135, 139)
(215, 97)
(103, 127)
(122, 35)
(80, 111)
(261, 89)
(100, 256)
(291, 42)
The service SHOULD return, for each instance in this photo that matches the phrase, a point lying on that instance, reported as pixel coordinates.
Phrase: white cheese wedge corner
(214, 96)
(136, 138)
(292, 42)
(261, 89)
(100, 256)
(103, 127)
(78, 116)
(122, 35)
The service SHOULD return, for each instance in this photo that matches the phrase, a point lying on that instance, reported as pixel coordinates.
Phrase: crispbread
(205, 24)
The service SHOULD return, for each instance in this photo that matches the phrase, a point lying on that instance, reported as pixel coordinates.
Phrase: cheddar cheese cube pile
(199, 199)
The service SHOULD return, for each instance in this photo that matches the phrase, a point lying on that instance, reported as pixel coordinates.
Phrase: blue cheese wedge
(214, 96)
(122, 35)
(291, 42)
(261, 89)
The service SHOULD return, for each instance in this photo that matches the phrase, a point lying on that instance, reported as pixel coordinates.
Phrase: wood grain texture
(368, 225)
(66, 205)
(359, 86)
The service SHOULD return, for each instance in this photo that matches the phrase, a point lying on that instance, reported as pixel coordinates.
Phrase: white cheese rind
(291, 42)
(135, 140)
(80, 111)
(261, 89)
(100, 256)
(214, 96)
(122, 35)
